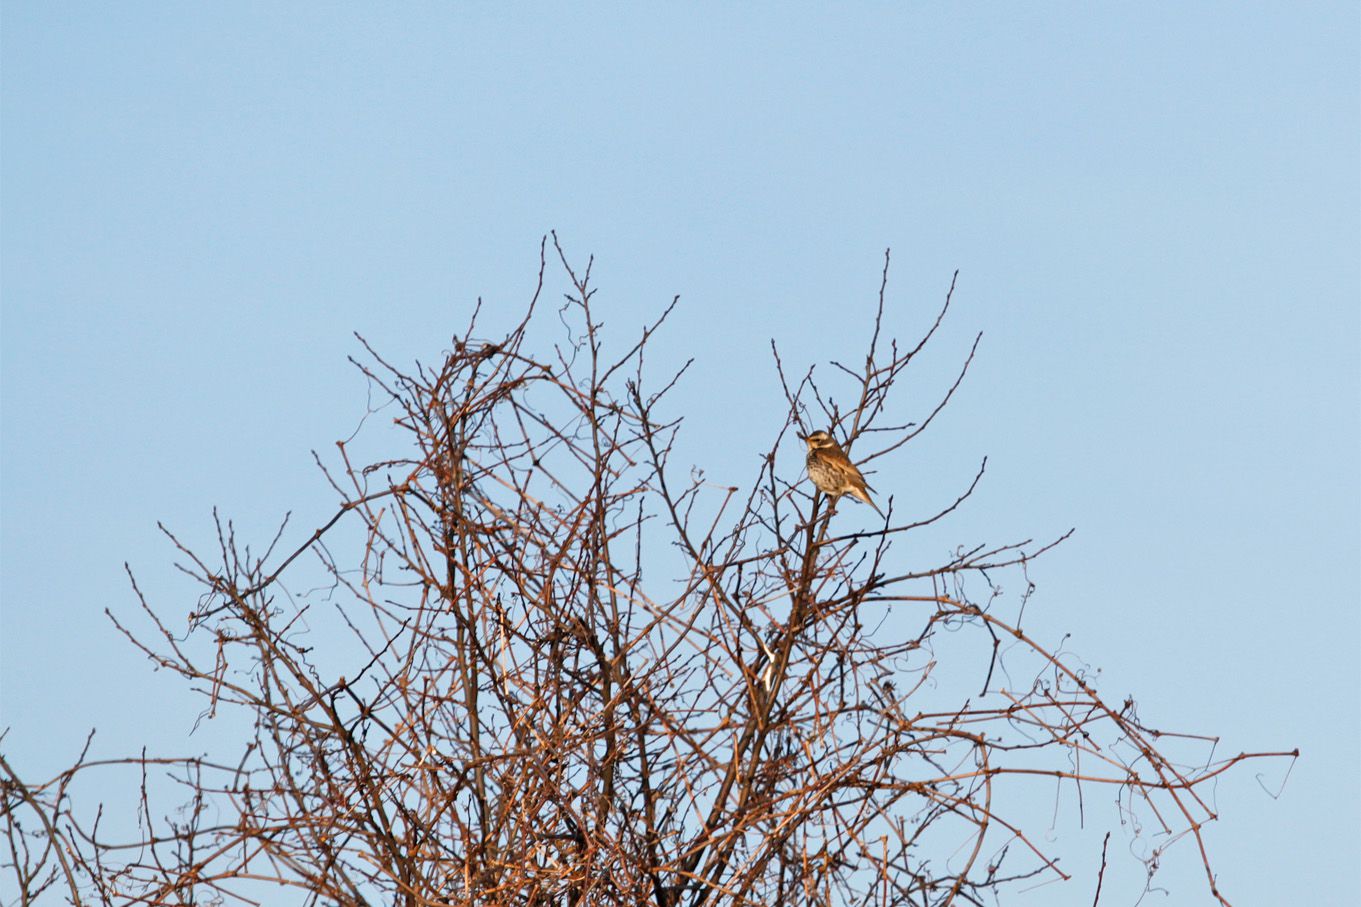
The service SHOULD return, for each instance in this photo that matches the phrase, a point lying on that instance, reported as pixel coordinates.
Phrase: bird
(833, 472)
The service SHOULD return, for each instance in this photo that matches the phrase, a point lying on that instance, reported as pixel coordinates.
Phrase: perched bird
(833, 472)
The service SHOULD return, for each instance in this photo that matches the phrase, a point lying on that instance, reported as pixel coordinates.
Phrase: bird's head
(818, 439)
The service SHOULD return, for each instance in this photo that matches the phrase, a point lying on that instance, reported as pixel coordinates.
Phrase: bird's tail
(863, 495)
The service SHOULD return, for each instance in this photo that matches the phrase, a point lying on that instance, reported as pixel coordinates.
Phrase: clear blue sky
(1154, 209)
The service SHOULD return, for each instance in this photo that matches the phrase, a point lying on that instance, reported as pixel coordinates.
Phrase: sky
(1154, 209)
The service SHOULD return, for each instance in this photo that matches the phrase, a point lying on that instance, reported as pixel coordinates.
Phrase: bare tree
(573, 672)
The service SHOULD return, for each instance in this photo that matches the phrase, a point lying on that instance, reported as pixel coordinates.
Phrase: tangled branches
(562, 671)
